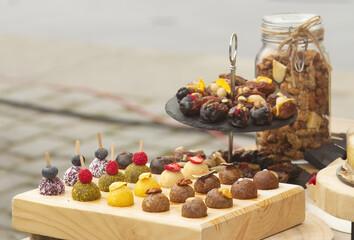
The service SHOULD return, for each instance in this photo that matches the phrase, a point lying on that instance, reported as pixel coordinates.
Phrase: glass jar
(306, 78)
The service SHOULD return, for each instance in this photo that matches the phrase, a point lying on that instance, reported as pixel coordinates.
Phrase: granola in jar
(303, 71)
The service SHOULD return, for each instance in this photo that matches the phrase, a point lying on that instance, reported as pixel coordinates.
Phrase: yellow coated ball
(121, 197)
(144, 184)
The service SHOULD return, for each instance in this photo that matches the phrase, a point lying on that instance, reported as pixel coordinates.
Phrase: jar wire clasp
(299, 65)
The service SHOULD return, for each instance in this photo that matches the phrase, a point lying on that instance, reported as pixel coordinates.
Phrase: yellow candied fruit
(280, 102)
(222, 83)
(116, 185)
(144, 175)
(144, 184)
(121, 197)
(264, 79)
(225, 192)
(201, 84)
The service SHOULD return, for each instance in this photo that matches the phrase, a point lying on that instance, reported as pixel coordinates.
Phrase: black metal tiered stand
(172, 108)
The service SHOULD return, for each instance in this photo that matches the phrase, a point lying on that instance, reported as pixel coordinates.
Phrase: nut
(183, 182)
(153, 190)
(221, 92)
(255, 98)
(242, 99)
(225, 192)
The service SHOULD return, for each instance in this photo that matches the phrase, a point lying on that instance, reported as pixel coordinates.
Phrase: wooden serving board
(62, 217)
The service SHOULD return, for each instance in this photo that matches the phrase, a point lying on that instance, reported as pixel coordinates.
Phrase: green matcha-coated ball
(133, 171)
(106, 180)
(84, 192)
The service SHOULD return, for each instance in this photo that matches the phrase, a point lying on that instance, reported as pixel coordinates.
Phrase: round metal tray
(172, 109)
(342, 178)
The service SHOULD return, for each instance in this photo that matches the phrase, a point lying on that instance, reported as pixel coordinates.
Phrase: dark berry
(101, 154)
(124, 159)
(246, 156)
(50, 172)
(262, 116)
(236, 157)
(186, 104)
(75, 160)
(254, 156)
(182, 92)
(265, 162)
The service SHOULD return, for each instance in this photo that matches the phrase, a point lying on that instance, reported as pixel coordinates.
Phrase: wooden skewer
(112, 152)
(141, 145)
(82, 162)
(99, 140)
(47, 159)
(77, 152)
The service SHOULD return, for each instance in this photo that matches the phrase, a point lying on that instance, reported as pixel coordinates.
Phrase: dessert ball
(98, 167)
(144, 183)
(230, 174)
(85, 190)
(51, 186)
(171, 175)
(244, 189)
(71, 175)
(194, 208)
(124, 159)
(133, 171)
(120, 195)
(181, 191)
(50, 183)
(219, 198)
(106, 180)
(265, 180)
(157, 165)
(156, 201)
(195, 166)
(112, 175)
(206, 183)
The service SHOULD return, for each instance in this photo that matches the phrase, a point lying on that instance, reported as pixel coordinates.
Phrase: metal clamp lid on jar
(277, 27)
(292, 30)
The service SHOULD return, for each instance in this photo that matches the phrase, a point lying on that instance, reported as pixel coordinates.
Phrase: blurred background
(69, 69)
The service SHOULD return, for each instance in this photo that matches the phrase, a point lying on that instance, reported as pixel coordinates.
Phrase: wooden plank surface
(62, 217)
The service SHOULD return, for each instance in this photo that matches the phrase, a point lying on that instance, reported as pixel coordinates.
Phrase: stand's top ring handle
(232, 54)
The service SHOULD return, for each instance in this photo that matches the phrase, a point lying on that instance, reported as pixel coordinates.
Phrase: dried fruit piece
(280, 101)
(264, 79)
(279, 71)
(117, 185)
(144, 175)
(196, 159)
(314, 121)
(174, 167)
(201, 84)
(222, 83)
(225, 192)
